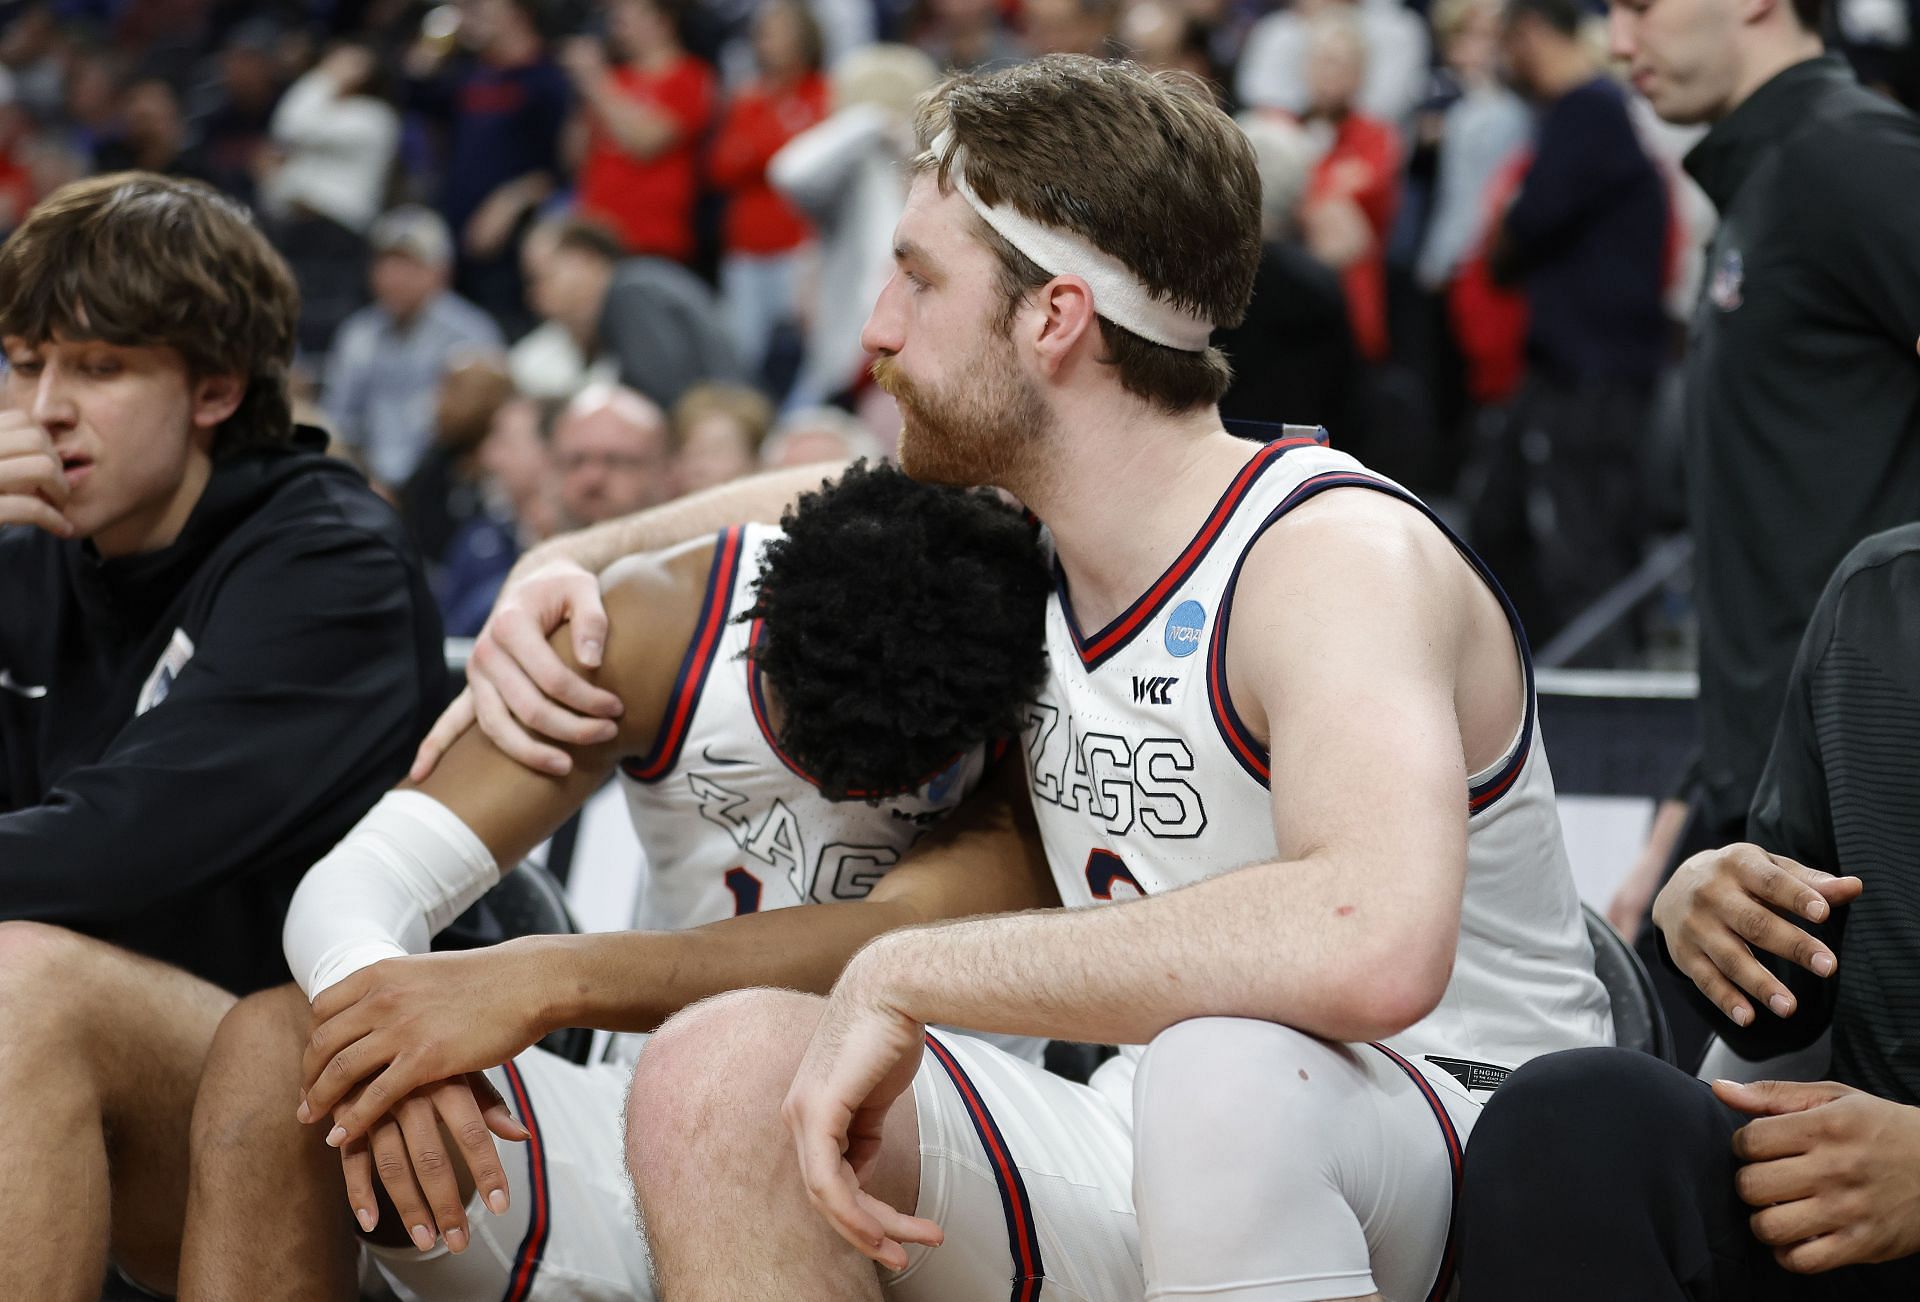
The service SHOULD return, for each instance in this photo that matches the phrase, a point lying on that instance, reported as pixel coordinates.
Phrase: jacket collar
(1727, 155)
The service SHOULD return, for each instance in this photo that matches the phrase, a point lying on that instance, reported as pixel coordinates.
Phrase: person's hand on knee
(1723, 904)
(398, 1025)
(862, 1057)
(418, 1151)
(1834, 1172)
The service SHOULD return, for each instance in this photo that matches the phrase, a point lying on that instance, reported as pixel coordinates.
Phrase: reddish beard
(980, 431)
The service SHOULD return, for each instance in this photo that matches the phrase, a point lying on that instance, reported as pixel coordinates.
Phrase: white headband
(1118, 294)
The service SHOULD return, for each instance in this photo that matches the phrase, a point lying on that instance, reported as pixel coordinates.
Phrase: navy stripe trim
(526, 1261)
(1023, 1237)
(708, 632)
(1111, 640)
(1246, 748)
(1456, 1156)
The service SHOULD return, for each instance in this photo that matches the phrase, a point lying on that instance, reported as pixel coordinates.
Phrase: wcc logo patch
(1184, 627)
(1728, 275)
(1153, 691)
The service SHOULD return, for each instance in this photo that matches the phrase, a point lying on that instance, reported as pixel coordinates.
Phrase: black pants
(1604, 1175)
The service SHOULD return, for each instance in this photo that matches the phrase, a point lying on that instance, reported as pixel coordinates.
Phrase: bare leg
(720, 1197)
(267, 1215)
(100, 1053)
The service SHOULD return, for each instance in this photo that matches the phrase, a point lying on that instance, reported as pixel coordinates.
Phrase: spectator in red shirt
(644, 120)
(1356, 186)
(763, 232)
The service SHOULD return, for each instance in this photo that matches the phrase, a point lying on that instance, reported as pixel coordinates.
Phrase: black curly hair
(901, 625)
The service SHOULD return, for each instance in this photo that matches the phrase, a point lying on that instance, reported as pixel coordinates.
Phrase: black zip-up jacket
(184, 732)
(1803, 390)
(1841, 793)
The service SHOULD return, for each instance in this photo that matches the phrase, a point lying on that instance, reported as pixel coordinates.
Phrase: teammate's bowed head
(936, 648)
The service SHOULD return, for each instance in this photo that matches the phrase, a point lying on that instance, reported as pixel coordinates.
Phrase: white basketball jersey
(729, 822)
(1144, 779)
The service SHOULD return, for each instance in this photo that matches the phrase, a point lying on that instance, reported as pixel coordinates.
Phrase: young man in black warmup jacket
(216, 652)
(1602, 1174)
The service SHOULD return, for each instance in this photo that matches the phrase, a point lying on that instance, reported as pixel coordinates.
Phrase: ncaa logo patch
(1184, 626)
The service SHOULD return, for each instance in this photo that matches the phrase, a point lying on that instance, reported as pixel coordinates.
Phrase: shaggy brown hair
(142, 260)
(1143, 165)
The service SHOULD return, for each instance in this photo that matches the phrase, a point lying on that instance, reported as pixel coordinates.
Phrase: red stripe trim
(1023, 1238)
(1246, 749)
(1479, 800)
(1223, 712)
(1114, 635)
(657, 762)
(1443, 1281)
(527, 1259)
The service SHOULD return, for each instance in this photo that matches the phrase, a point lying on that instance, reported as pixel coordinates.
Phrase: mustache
(887, 374)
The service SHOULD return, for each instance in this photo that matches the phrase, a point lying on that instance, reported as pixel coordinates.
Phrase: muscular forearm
(759, 499)
(1292, 943)
(633, 981)
(985, 859)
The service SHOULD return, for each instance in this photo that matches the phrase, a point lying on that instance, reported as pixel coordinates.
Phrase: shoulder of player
(654, 602)
(1345, 570)
(1347, 536)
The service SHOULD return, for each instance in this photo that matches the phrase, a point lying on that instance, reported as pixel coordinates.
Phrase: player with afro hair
(941, 637)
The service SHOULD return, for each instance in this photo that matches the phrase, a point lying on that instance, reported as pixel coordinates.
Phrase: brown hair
(585, 235)
(813, 49)
(143, 260)
(1143, 165)
(747, 408)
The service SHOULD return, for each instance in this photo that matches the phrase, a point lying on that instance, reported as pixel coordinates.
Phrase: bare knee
(42, 972)
(252, 1068)
(712, 1079)
(272, 1025)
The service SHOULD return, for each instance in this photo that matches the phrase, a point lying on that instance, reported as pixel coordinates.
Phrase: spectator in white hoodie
(845, 174)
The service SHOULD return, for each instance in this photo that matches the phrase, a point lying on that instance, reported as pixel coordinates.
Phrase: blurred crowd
(563, 259)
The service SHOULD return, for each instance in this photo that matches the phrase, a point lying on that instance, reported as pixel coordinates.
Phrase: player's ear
(215, 398)
(1065, 316)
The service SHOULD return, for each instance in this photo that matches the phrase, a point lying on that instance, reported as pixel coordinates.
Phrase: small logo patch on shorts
(1473, 1075)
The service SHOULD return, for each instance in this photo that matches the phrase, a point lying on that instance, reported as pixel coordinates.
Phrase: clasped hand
(395, 1057)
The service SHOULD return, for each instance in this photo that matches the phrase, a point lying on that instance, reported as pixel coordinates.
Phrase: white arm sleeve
(401, 875)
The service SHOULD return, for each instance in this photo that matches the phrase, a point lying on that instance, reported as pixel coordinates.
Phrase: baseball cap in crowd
(414, 231)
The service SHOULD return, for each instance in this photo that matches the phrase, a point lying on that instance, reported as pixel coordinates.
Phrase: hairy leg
(713, 1164)
(100, 1053)
(267, 1214)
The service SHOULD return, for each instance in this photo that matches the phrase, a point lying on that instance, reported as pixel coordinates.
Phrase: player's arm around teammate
(415, 1027)
(529, 700)
(1348, 937)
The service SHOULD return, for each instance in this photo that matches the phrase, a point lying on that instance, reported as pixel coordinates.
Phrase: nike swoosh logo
(27, 690)
(707, 754)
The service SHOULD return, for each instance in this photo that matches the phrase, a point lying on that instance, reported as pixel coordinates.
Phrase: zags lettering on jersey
(1117, 781)
(775, 839)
